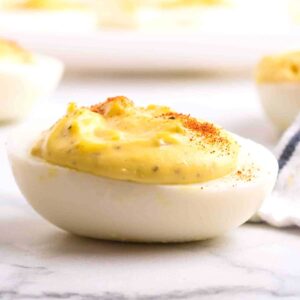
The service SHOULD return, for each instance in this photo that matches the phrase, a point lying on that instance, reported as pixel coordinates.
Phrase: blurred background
(153, 35)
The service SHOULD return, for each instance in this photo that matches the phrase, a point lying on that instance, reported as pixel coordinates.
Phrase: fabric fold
(282, 207)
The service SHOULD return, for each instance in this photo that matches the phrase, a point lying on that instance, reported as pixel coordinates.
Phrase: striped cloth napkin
(282, 208)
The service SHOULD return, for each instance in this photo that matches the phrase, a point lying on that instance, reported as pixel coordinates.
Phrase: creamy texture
(12, 52)
(279, 68)
(115, 139)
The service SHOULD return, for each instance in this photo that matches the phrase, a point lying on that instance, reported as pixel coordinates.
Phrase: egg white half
(281, 102)
(110, 209)
(22, 84)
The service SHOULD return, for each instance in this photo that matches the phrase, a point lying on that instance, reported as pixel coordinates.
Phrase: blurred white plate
(134, 51)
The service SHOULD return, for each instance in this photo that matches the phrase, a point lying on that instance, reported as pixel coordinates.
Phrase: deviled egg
(25, 77)
(181, 14)
(278, 83)
(158, 14)
(120, 172)
(71, 16)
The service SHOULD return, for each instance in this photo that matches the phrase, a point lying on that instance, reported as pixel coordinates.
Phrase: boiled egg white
(23, 84)
(104, 208)
(281, 102)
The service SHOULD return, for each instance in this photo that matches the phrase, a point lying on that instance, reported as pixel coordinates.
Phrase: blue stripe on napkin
(289, 150)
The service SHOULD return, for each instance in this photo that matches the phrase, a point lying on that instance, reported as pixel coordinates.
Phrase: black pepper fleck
(155, 168)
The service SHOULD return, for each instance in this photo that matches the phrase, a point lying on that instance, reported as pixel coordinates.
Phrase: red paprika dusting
(100, 107)
(245, 174)
(205, 129)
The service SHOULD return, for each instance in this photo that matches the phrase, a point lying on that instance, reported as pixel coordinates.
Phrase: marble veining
(192, 294)
(39, 261)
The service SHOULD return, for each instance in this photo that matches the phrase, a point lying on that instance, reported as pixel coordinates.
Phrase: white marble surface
(38, 261)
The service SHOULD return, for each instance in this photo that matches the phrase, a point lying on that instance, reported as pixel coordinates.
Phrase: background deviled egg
(278, 84)
(54, 16)
(107, 208)
(25, 77)
(158, 14)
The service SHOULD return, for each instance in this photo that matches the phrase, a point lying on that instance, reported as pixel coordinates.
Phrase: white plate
(225, 37)
(140, 51)
(136, 51)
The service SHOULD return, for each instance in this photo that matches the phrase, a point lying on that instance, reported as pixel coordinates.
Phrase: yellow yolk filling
(118, 140)
(51, 4)
(187, 3)
(279, 68)
(11, 51)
